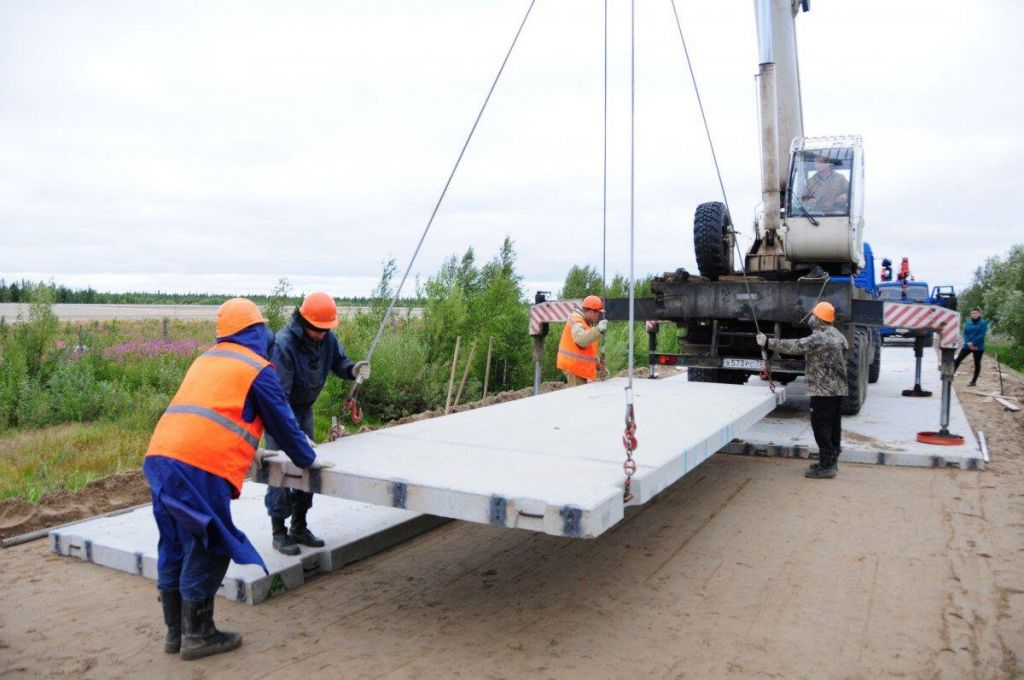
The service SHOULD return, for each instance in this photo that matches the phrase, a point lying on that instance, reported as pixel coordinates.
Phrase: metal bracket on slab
(498, 511)
(572, 519)
(399, 492)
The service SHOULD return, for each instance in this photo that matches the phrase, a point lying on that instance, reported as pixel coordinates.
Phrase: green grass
(69, 456)
(1010, 353)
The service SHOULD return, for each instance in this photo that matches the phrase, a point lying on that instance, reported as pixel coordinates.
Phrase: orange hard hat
(824, 311)
(320, 311)
(593, 302)
(236, 314)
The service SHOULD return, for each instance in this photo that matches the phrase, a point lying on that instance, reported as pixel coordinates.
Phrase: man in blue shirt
(304, 352)
(974, 343)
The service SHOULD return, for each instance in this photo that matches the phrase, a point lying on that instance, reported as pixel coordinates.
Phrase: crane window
(820, 183)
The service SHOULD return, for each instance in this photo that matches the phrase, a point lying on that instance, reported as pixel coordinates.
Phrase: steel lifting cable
(602, 365)
(767, 373)
(629, 435)
(351, 406)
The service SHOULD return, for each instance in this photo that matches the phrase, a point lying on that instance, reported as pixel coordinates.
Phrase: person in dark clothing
(825, 349)
(304, 353)
(197, 459)
(974, 343)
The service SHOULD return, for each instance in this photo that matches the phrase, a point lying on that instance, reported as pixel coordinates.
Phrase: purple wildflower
(152, 349)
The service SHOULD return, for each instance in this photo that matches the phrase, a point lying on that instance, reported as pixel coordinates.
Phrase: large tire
(711, 226)
(856, 373)
(875, 369)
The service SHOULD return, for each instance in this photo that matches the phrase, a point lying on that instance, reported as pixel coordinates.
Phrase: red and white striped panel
(918, 316)
(552, 311)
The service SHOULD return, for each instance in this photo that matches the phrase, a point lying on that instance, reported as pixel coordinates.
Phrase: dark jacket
(303, 364)
(974, 331)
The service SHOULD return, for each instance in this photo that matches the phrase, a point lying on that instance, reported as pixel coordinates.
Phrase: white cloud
(224, 145)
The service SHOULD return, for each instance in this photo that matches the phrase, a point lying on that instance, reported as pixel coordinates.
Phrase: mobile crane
(808, 247)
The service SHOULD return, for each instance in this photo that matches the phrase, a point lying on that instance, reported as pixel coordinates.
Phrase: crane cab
(824, 205)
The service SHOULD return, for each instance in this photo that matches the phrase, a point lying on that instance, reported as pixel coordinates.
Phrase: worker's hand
(319, 463)
(842, 199)
(263, 454)
(311, 442)
(361, 370)
(762, 339)
(971, 346)
(602, 325)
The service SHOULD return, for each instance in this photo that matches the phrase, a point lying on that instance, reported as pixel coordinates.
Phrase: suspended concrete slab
(127, 542)
(550, 463)
(885, 430)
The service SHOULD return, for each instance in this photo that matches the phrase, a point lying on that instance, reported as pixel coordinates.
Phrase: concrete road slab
(885, 430)
(550, 463)
(127, 542)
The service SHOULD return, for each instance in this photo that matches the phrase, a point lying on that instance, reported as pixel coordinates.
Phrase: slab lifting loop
(629, 436)
(766, 374)
(351, 405)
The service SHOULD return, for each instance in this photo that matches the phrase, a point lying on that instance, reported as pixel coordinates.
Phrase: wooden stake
(487, 370)
(451, 378)
(999, 370)
(465, 374)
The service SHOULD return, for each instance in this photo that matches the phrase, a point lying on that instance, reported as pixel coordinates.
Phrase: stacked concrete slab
(551, 463)
(128, 541)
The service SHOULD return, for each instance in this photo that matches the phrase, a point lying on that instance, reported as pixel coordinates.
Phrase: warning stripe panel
(553, 311)
(919, 316)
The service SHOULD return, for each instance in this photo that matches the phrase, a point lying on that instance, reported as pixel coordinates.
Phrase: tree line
(24, 291)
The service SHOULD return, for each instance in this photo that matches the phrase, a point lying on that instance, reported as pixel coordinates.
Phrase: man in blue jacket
(196, 462)
(304, 353)
(974, 343)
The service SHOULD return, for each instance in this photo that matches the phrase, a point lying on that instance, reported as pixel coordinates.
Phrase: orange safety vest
(581, 361)
(203, 426)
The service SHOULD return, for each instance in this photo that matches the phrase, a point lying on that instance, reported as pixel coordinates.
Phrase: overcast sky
(218, 146)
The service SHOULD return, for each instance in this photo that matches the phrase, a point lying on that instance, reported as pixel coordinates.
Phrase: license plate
(749, 364)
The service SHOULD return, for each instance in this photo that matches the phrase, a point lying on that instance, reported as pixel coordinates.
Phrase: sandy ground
(742, 569)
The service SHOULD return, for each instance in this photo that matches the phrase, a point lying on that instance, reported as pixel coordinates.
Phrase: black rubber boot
(283, 543)
(170, 600)
(200, 638)
(301, 534)
(826, 469)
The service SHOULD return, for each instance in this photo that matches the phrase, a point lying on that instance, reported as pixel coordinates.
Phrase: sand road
(742, 569)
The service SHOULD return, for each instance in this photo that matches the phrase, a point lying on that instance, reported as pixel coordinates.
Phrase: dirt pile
(499, 398)
(114, 492)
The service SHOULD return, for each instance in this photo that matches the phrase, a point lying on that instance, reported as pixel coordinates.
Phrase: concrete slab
(550, 463)
(885, 430)
(351, 531)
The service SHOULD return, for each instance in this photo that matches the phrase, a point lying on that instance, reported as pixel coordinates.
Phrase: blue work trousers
(197, 536)
(282, 503)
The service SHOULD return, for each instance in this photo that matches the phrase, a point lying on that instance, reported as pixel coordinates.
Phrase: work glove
(319, 463)
(361, 370)
(311, 442)
(762, 339)
(602, 325)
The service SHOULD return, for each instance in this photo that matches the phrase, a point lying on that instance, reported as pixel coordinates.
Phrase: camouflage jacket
(825, 350)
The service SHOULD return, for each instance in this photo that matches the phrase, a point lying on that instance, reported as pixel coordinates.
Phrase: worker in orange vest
(197, 459)
(577, 350)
